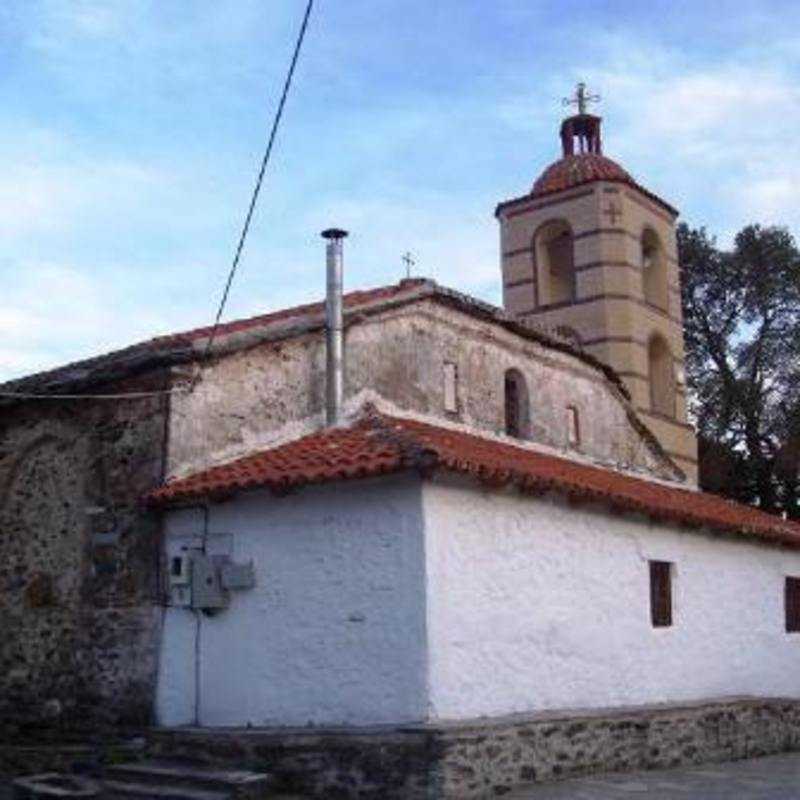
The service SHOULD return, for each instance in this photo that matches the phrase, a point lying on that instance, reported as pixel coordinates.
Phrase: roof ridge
(176, 348)
(415, 454)
(288, 312)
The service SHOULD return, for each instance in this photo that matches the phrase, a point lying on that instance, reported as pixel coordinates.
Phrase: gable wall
(534, 604)
(248, 399)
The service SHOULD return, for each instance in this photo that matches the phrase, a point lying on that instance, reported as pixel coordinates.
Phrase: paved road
(771, 778)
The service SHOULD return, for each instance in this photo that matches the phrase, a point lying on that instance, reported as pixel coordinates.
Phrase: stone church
(405, 528)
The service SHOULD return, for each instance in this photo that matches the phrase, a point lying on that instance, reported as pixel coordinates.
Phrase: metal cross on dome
(582, 98)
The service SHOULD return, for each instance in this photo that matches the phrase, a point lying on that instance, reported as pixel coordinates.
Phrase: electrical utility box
(203, 582)
(238, 576)
(180, 580)
(208, 594)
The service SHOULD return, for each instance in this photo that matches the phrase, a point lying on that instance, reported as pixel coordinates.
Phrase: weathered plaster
(250, 398)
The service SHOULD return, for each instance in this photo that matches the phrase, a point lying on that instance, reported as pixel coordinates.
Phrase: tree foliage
(742, 325)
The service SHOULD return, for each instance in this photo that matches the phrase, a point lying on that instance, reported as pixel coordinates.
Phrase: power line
(237, 256)
(259, 181)
(112, 396)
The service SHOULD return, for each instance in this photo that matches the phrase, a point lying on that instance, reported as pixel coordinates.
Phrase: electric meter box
(208, 593)
(203, 582)
(238, 576)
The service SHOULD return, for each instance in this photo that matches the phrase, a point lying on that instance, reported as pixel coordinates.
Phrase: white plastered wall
(391, 601)
(534, 605)
(333, 633)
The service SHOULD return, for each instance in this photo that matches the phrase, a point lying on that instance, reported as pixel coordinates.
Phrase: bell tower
(591, 254)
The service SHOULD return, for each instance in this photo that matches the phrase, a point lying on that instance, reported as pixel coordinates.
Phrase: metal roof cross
(581, 99)
(408, 260)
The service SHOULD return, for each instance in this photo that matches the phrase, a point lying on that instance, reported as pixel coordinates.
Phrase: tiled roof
(186, 346)
(379, 444)
(577, 170)
(351, 300)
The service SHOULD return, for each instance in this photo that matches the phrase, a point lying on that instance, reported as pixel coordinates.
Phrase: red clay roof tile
(379, 444)
(351, 300)
(577, 170)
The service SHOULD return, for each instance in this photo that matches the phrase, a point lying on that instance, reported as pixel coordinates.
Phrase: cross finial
(408, 260)
(581, 99)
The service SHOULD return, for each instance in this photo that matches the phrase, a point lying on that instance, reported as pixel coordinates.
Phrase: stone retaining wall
(489, 758)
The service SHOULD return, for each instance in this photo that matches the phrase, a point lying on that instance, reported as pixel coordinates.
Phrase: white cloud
(52, 183)
(55, 313)
(453, 243)
(106, 221)
(711, 102)
(39, 198)
(718, 138)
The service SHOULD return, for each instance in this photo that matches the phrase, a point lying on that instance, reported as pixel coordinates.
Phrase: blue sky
(131, 131)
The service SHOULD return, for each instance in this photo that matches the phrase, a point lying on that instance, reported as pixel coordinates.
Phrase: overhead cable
(260, 180)
(237, 256)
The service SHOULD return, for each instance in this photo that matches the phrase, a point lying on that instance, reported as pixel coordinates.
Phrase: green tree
(742, 325)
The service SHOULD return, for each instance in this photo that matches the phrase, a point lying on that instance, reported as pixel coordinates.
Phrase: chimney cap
(333, 233)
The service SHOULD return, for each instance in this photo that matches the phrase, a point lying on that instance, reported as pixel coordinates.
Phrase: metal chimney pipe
(334, 326)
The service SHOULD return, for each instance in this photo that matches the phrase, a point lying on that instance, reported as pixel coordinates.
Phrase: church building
(463, 539)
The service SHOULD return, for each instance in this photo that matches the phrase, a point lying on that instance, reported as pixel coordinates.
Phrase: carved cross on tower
(613, 212)
(582, 98)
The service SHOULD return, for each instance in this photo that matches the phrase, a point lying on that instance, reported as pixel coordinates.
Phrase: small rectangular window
(450, 387)
(573, 427)
(792, 593)
(661, 593)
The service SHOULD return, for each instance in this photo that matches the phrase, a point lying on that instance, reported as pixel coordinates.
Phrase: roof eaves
(404, 444)
(81, 376)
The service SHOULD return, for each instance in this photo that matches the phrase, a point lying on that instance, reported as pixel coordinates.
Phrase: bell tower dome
(591, 254)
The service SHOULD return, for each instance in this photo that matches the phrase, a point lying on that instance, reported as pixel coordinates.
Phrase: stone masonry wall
(77, 585)
(490, 758)
(251, 397)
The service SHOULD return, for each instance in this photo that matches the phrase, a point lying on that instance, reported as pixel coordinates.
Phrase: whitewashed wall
(534, 605)
(334, 632)
(389, 601)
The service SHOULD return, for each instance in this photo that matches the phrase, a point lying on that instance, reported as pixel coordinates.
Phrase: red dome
(583, 162)
(574, 170)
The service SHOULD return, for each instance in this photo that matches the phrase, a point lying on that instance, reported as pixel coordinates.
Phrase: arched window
(662, 376)
(555, 264)
(516, 404)
(654, 270)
